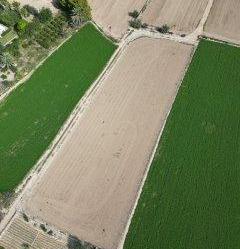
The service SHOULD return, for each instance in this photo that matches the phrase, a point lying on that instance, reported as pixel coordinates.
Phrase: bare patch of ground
(93, 179)
(181, 16)
(112, 16)
(38, 4)
(224, 21)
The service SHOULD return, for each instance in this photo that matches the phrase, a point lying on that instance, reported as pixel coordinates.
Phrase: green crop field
(191, 199)
(33, 114)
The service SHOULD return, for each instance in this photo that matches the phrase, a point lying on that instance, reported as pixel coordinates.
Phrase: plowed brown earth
(181, 16)
(93, 179)
(112, 15)
(224, 21)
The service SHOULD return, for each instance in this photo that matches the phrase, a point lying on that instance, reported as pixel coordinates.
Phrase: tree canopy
(69, 5)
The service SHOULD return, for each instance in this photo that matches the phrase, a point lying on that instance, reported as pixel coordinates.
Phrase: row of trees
(136, 23)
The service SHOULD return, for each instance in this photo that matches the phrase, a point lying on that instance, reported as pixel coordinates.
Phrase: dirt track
(93, 179)
(224, 21)
(182, 16)
(112, 15)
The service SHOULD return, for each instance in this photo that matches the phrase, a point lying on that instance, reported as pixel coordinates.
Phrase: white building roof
(2, 29)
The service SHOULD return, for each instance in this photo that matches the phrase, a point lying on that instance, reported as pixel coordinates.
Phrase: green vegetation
(45, 15)
(191, 196)
(21, 25)
(33, 114)
(35, 33)
(70, 5)
(134, 14)
(9, 16)
(75, 243)
(163, 29)
(135, 23)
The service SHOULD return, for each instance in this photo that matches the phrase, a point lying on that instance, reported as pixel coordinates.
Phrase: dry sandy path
(92, 183)
(112, 15)
(224, 21)
(182, 16)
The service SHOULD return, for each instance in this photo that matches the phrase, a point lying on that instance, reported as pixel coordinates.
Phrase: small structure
(2, 29)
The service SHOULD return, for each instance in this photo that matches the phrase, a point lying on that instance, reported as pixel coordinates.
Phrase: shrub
(135, 23)
(74, 243)
(69, 5)
(13, 48)
(45, 15)
(50, 232)
(15, 4)
(134, 14)
(43, 227)
(25, 246)
(144, 25)
(163, 29)
(9, 17)
(24, 12)
(32, 28)
(22, 25)
(31, 10)
(25, 217)
(4, 76)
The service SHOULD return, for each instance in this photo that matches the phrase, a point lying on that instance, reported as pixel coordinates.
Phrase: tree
(69, 5)
(74, 243)
(24, 12)
(135, 23)
(31, 10)
(13, 48)
(25, 246)
(16, 5)
(32, 28)
(77, 17)
(134, 14)
(21, 25)
(9, 17)
(45, 15)
(6, 61)
(163, 29)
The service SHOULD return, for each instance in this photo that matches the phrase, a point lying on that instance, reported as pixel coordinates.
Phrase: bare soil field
(112, 15)
(224, 21)
(39, 3)
(92, 181)
(181, 16)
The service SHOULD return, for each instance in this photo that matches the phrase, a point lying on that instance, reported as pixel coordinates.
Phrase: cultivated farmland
(191, 196)
(181, 16)
(32, 115)
(112, 15)
(99, 167)
(224, 21)
(20, 232)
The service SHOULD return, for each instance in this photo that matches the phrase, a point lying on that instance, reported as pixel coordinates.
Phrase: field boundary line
(220, 39)
(155, 147)
(5, 94)
(40, 167)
